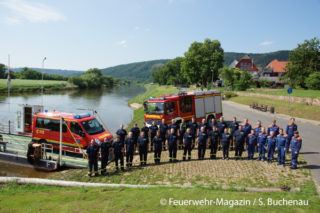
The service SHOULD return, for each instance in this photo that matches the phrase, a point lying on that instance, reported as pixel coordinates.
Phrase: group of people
(216, 135)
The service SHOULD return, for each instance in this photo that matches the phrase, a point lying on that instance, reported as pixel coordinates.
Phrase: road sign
(289, 91)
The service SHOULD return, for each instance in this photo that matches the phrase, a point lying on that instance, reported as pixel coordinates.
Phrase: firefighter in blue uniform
(188, 144)
(145, 129)
(122, 133)
(291, 128)
(143, 143)
(193, 129)
(281, 143)
(117, 146)
(273, 128)
(262, 142)
(226, 139)
(251, 144)
(221, 127)
(153, 132)
(212, 123)
(234, 126)
(202, 143)
(271, 145)
(163, 132)
(214, 140)
(296, 143)
(157, 143)
(205, 125)
(135, 134)
(246, 127)
(129, 149)
(104, 150)
(239, 138)
(92, 153)
(172, 139)
(182, 131)
(257, 130)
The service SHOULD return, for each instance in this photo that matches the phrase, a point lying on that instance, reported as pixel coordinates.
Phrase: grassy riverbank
(23, 85)
(296, 92)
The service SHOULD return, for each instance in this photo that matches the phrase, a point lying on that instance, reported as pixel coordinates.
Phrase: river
(111, 104)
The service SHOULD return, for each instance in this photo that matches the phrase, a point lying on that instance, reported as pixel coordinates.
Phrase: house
(277, 68)
(245, 64)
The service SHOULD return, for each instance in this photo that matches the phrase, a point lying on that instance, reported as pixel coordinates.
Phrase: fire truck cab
(180, 106)
(77, 130)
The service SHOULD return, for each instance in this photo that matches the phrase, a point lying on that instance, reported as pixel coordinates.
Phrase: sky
(82, 34)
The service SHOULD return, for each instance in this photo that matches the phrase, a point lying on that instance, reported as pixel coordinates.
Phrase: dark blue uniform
(163, 132)
(145, 129)
(239, 142)
(257, 130)
(202, 144)
(193, 130)
(172, 142)
(92, 152)
(122, 134)
(214, 137)
(271, 143)
(296, 143)
(174, 126)
(252, 142)
(129, 143)
(143, 149)
(135, 134)
(158, 142)
(183, 128)
(281, 143)
(104, 147)
(211, 125)
(273, 128)
(234, 127)
(262, 142)
(153, 132)
(225, 142)
(118, 153)
(205, 125)
(187, 146)
(291, 128)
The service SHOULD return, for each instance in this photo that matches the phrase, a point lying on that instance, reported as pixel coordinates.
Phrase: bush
(229, 95)
(265, 83)
(313, 81)
(244, 82)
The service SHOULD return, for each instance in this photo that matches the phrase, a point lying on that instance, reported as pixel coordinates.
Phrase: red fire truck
(180, 106)
(77, 130)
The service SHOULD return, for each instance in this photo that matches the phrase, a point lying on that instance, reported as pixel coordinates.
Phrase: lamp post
(45, 58)
(212, 78)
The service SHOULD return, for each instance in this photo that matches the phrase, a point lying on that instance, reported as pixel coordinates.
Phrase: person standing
(117, 146)
(221, 127)
(251, 144)
(163, 132)
(239, 138)
(273, 128)
(246, 127)
(143, 143)
(281, 143)
(153, 131)
(202, 143)
(226, 139)
(262, 142)
(193, 129)
(145, 129)
(92, 153)
(135, 133)
(214, 138)
(122, 133)
(296, 143)
(172, 139)
(271, 143)
(212, 123)
(104, 150)
(157, 143)
(188, 143)
(291, 128)
(234, 126)
(257, 130)
(129, 149)
(183, 128)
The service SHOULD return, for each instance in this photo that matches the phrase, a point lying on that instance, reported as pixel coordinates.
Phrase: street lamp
(45, 58)
(212, 78)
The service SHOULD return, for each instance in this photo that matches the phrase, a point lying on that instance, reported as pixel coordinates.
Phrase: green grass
(296, 109)
(296, 92)
(23, 85)
(37, 198)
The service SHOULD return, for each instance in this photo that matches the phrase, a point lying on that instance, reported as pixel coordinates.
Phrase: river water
(111, 104)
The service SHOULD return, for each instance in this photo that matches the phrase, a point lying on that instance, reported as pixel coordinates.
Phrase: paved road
(309, 131)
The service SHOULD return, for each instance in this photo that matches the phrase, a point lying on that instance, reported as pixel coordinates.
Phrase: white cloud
(266, 43)
(137, 28)
(122, 43)
(31, 12)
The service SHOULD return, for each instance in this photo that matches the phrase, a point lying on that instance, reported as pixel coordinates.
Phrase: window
(92, 127)
(188, 104)
(155, 108)
(75, 128)
(50, 124)
(170, 107)
(182, 104)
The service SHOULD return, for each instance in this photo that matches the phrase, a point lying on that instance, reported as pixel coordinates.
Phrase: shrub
(229, 95)
(313, 81)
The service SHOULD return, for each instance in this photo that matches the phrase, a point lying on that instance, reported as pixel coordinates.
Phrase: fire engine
(183, 105)
(77, 130)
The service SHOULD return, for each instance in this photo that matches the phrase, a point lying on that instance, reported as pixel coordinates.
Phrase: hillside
(52, 71)
(142, 70)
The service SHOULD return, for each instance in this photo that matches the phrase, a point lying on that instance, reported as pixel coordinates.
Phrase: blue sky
(81, 34)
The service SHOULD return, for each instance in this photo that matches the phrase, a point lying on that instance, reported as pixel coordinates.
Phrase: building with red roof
(277, 67)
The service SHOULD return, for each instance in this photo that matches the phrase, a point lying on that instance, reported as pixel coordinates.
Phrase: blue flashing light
(82, 116)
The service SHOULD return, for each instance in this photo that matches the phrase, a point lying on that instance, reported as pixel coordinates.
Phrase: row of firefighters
(218, 135)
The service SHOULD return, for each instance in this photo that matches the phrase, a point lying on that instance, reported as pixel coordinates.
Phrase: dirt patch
(135, 106)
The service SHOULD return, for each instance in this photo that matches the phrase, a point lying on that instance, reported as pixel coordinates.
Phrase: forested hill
(142, 70)
(53, 71)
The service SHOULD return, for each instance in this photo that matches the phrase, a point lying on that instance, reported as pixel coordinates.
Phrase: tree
(2, 71)
(78, 81)
(202, 62)
(313, 81)
(230, 76)
(303, 60)
(27, 73)
(244, 82)
(93, 78)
